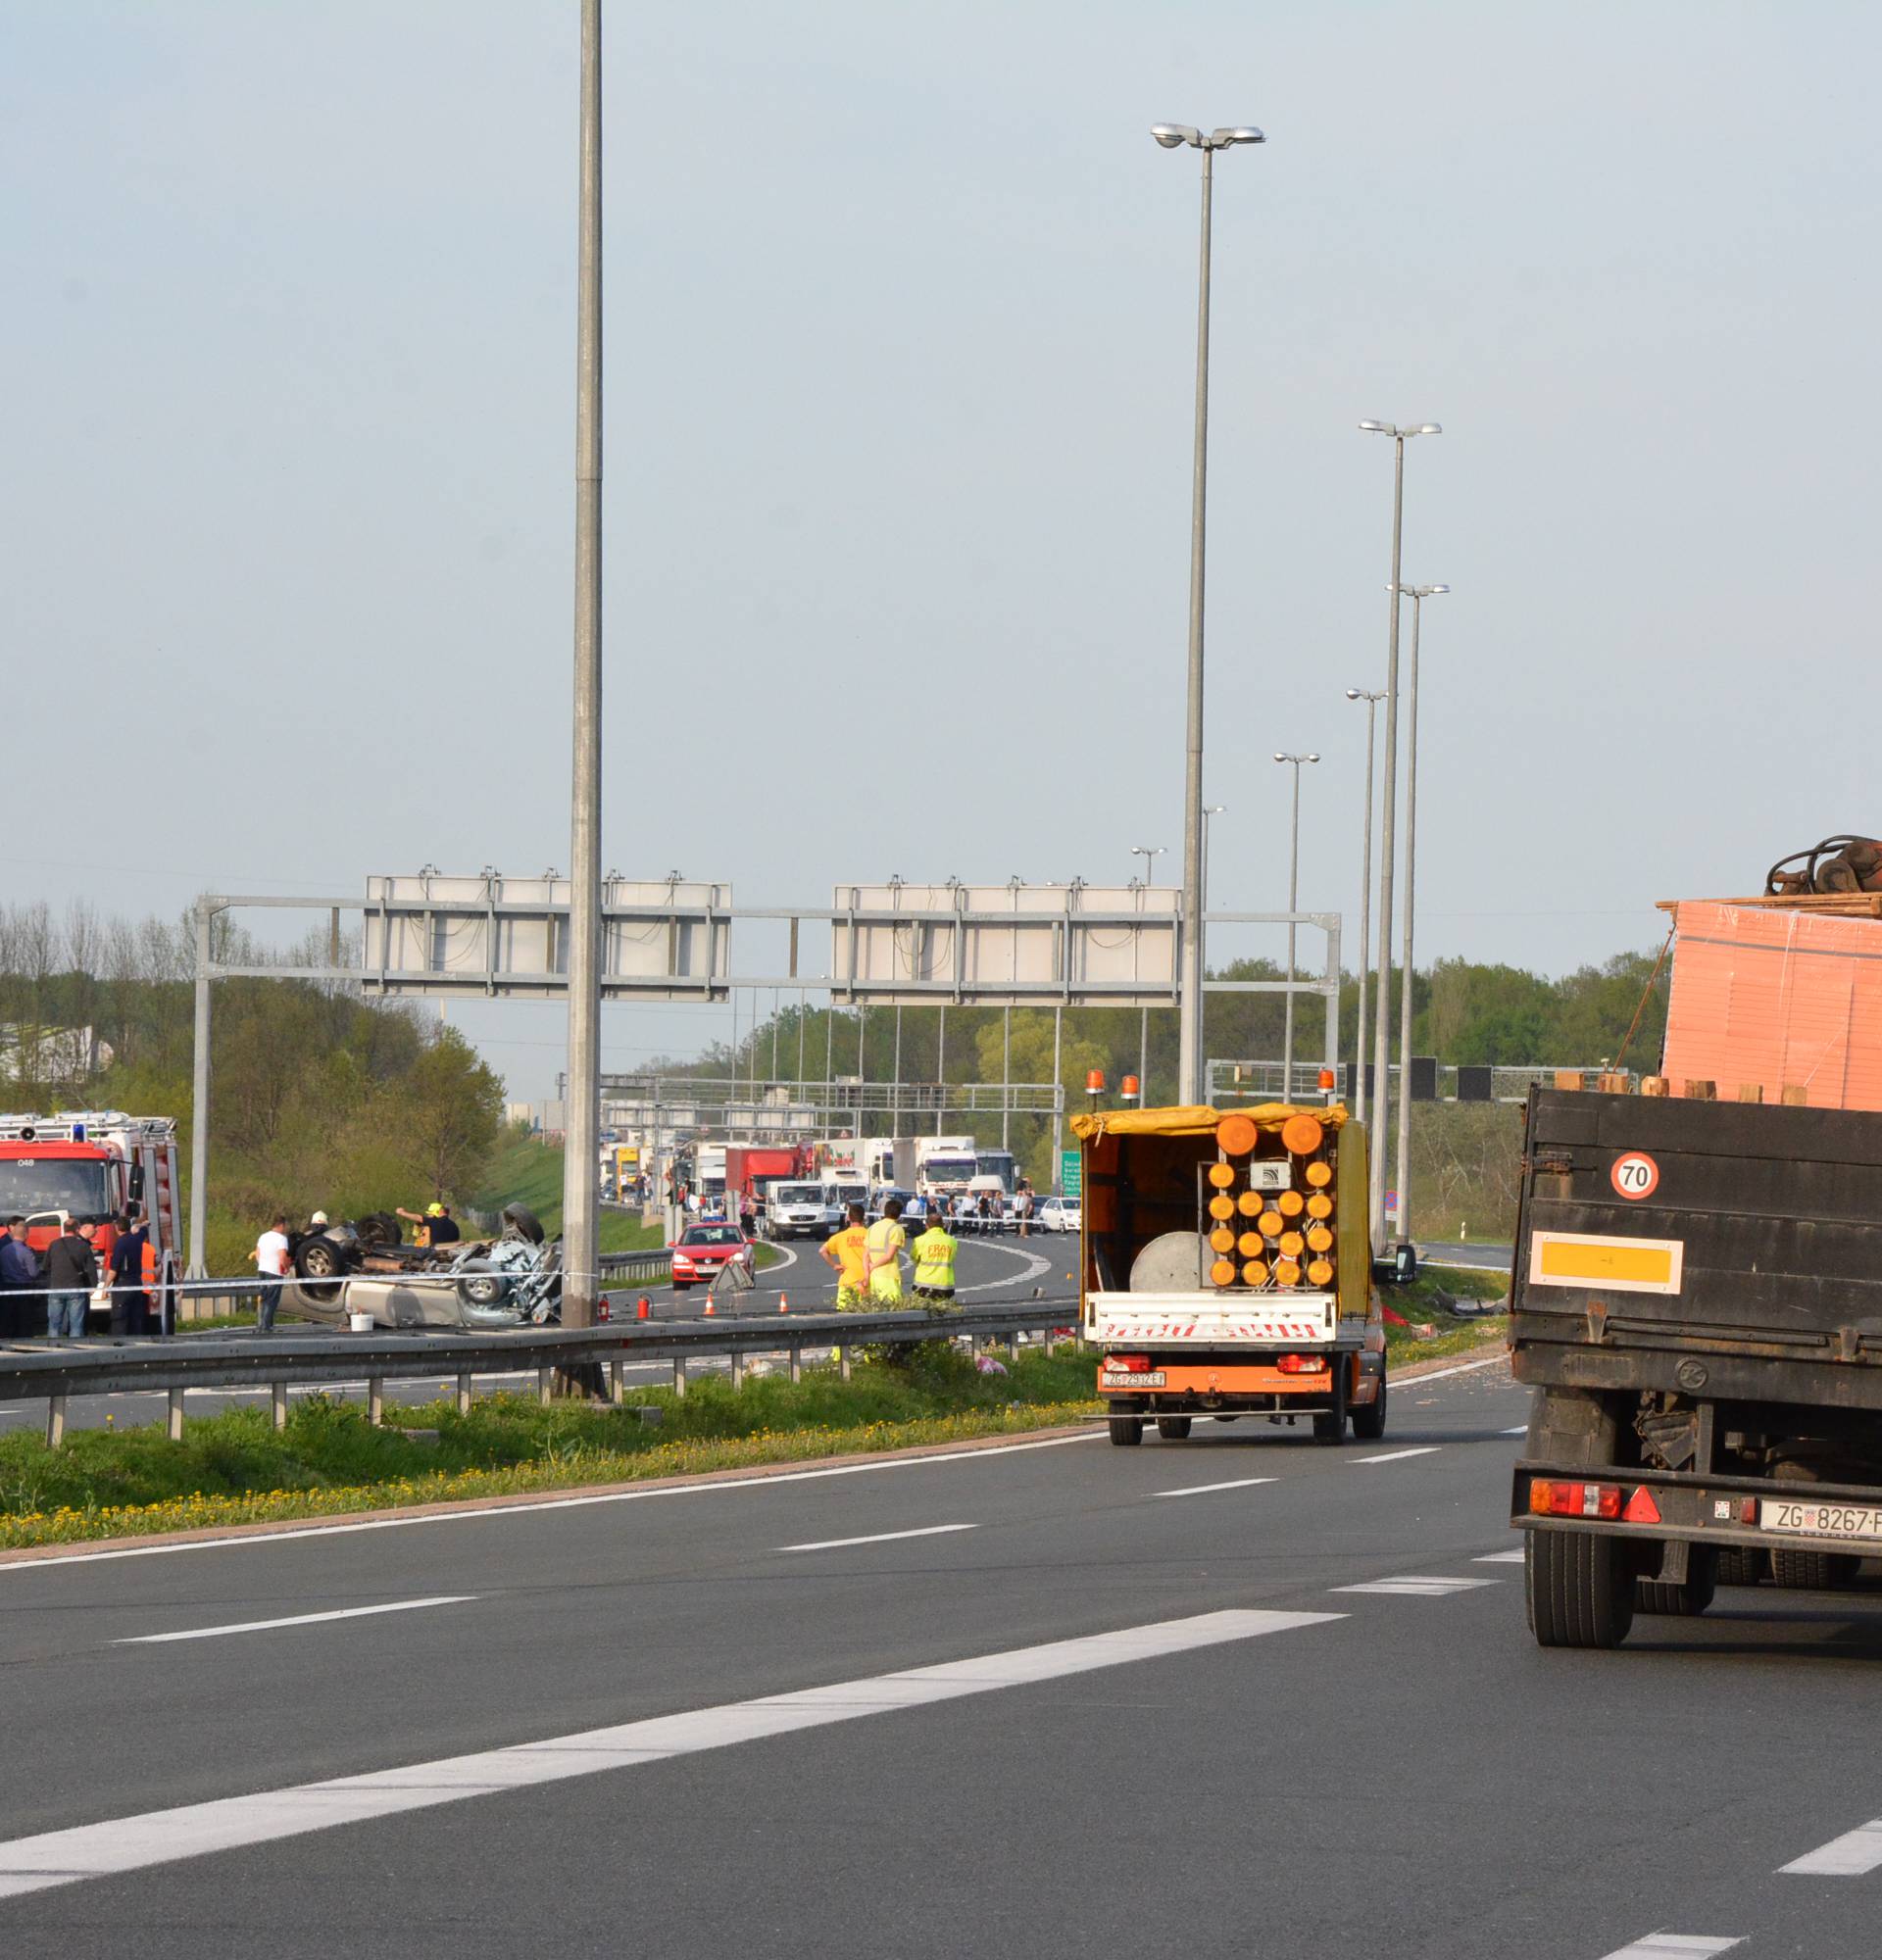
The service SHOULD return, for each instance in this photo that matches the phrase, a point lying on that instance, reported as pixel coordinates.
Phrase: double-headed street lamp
(1371, 700)
(1172, 136)
(1381, 1044)
(1292, 905)
(1418, 594)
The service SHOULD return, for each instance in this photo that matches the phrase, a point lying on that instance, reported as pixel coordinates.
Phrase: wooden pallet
(1837, 904)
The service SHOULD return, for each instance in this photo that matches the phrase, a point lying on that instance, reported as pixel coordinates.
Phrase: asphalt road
(1242, 1694)
(990, 1271)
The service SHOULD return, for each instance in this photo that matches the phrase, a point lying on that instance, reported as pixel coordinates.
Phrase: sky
(899, 343)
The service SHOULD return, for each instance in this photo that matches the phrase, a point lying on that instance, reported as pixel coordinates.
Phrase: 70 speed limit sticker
(1635, 1175)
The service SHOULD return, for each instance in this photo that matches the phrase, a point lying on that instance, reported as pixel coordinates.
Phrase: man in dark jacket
(19, 1281)
(130, 1302)
(72, 1271)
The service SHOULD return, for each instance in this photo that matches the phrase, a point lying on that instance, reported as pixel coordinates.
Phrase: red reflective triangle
(1641, 1508)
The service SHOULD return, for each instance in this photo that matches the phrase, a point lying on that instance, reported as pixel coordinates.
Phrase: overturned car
(514, 1280)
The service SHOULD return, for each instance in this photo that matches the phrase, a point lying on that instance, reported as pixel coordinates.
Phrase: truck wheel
(1744, 1565)
(1687, 1599)
(1330, 1425)
(1369, 1423)
(1581, 1592)
(1127, 1429)
(1812, 1571)
(1172, 1428)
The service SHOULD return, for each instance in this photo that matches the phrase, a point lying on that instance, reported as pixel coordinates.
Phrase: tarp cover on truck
(1197, 1119)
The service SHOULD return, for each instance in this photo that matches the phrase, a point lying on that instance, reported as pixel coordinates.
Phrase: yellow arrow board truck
(1227, 1270)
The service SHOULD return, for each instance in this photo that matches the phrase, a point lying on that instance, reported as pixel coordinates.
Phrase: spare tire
(524, 1222)
(379, 1228)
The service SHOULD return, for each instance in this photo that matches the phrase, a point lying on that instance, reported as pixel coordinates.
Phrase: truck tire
(1744, 1565)
(525, 1221)
(1369, 1423)
(1812, 1571)
(1127, 1429)
(1172, 1428)
(1329, 1427)
(1581, 1592)
(1687, 1599)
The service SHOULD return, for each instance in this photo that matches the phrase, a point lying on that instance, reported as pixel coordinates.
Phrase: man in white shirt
(271, 1263)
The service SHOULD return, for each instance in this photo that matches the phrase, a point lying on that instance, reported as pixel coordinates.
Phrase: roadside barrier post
(376, 1401)
(176, 1415)
(545, 1385)
(796, 1364)
(843, 1364)
(278, 1392)
(55, 1422)
(616, 1383)
(738, 1367)
(679, 1374)
(464, 1393)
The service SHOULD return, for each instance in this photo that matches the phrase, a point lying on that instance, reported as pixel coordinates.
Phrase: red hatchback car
(703, 1251)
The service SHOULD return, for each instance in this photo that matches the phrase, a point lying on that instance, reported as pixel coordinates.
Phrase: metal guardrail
(54, 1372)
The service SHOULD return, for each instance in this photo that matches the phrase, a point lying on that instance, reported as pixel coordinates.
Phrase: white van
(797, 1210)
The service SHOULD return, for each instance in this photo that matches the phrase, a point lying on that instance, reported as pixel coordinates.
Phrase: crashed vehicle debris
(514, 1280)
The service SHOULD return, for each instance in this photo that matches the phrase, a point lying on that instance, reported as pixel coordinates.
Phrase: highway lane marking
(1201, 1490)
(1676, 1946)
(1444, 1374)
(399, 1522)
(296, 1620)
(1036, 1264)
(1521, 1429)
(1398, 1455)
(1417, 1586)
(1849, 1856)
(164, 1837)
(1499, 1557)
(876, 1538)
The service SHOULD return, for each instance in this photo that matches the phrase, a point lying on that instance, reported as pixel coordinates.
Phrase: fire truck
(93, 1164)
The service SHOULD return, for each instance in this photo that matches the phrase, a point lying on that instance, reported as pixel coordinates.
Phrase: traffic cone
(783, 1305)
(709, 1310)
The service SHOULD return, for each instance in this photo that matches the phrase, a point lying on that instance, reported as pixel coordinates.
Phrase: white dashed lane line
(1499, 1557)
(1854, 1854)
(875, 1538)
(1203, 1490)
(1417, 1586)
(1398, 1455)
(296, 1620)
(1676, 1946)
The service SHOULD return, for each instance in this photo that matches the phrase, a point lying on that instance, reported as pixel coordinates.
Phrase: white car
(1061, 1215)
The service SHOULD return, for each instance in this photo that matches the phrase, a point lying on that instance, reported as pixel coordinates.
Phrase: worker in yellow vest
(934, 1255)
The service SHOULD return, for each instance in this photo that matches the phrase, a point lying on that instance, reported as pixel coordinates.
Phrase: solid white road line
(1849, 1856)
(1675, 1947)
(1418, 1584)
(1499, 1557)
(1521, 1429)
(162, 1836)
(1035, 1264)
(1444, 1374)
(875, 1538)
(297, 1620)
(1201, 1490)
(1398, 1455)
(399, 1522)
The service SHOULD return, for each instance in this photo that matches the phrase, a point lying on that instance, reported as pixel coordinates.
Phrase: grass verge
(235, 1468)
(1424, 1302)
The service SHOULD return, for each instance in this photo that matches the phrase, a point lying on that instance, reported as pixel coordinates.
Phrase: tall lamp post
(1146, 852)
(1371, 700)
(1381, 1043)
(1292, 905)
(1418, 594)
(1173, 135)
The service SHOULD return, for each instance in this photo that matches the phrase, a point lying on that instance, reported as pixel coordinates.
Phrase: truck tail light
(1552, 1499)
(1129, 1364)
(1301, 1364)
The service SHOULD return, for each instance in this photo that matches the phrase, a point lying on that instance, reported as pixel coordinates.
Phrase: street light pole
(1292, 905)
(1365, 903)
(580, 1192)
(1381, 1043)
(1418, 594)
(1173, 135)
(1146, 852)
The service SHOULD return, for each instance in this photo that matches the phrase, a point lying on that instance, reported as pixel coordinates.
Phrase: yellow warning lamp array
(1273, 1231)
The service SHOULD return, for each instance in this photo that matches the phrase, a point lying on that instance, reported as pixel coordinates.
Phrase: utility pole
(581, 1186)
(1359, 1056)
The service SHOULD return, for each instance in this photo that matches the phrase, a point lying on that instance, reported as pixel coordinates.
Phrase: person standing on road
(271, 1263)
(934, 1253)
(882, 1256)
(843, 1252)
(130, 1302)
(1023, 1208)
(19, 1279)
(72, 1271)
